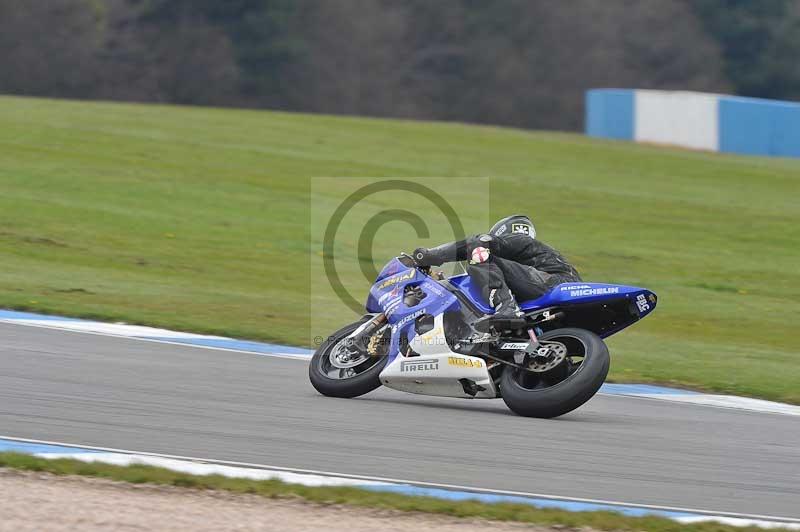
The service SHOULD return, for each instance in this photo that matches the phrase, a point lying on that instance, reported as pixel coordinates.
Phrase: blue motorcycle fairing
(621, 305)
(565, 294)
(573, 293)
(386, 296)
(464, 283)
(402, 317)
(392, 267)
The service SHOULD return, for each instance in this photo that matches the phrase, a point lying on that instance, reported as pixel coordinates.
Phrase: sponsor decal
(391, 293)
(392, 306)
(435, 288)
(501, 230)
(394, 280)
(574, 287)
(464, 362)
(407, 319)
(524, 229)
(642, 303)
(422, 364)
(593, 292)
(515, 346)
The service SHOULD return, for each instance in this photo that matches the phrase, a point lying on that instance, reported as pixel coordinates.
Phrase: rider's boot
(506, 312)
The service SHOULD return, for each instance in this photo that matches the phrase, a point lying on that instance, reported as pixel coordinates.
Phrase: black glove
(486, 241)
(449, 252)
(423, 257)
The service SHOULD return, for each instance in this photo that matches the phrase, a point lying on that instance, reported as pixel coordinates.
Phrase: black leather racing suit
(530, 267)
(527, 266)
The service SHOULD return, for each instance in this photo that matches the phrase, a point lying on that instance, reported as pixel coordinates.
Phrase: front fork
(366, 330)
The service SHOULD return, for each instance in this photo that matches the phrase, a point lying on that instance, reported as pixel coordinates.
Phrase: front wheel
(339, 369)
(546, 390)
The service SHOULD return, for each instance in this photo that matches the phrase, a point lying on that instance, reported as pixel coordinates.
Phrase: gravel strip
(37, 501)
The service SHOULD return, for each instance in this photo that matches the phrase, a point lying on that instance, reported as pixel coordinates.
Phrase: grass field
(197, 219)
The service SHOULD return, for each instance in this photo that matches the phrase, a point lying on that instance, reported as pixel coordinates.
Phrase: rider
(506, 261)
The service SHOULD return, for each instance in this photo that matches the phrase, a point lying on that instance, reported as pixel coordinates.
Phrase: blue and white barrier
(696, 120)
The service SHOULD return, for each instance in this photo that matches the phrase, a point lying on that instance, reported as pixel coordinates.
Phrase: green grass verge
(197, 219)
(140, 474)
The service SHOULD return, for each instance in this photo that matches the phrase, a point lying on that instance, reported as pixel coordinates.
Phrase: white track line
(298, 356)
(453, 487)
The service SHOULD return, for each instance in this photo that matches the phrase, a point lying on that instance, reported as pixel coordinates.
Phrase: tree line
(523, 63)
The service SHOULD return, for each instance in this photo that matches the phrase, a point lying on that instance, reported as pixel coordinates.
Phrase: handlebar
(409, 261)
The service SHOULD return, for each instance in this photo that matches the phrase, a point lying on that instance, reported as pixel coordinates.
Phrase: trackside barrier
(199, 466)
(697, 120)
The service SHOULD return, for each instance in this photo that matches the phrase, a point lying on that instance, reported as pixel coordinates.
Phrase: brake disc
(343, 356)
(548, 356)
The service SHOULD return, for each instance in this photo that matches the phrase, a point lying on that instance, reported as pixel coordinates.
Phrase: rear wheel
(340, 369)
(567, 375)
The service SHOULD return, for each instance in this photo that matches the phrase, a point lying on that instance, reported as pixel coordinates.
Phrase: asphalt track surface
(129, 394)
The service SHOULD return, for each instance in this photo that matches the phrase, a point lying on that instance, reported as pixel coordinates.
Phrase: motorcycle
(418, 337)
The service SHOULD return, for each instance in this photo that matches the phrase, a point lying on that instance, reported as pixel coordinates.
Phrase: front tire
(532, 395)
(346, 383)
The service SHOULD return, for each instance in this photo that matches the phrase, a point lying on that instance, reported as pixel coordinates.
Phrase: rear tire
(570, 393)
(347, 387)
